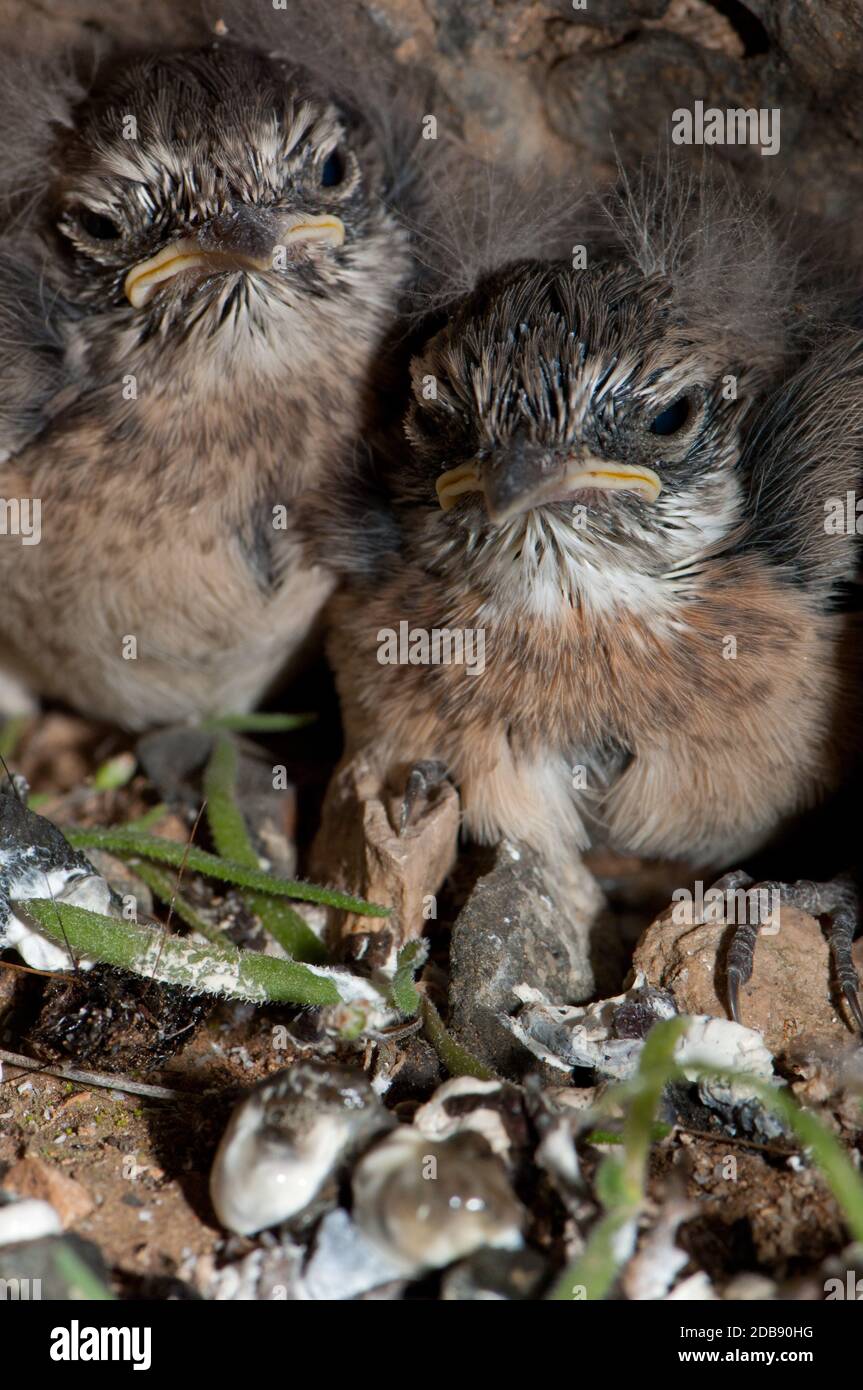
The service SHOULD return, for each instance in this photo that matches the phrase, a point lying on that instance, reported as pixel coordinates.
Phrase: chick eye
(333, 169)
(672, 418)
(97, 226)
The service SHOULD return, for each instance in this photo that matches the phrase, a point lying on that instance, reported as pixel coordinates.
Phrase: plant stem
(257, 723)
(457, 1060)
(233, 842)
(223, 970)
(124, 842)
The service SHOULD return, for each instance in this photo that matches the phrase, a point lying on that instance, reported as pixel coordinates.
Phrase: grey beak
(524, 476)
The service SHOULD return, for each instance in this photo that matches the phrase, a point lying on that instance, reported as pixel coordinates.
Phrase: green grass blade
(227, 825)
(222, 970)
(457, 1060)
(257, 723)
(405, 994)
(121, 841)
(117, 772)
(592, 1275)
(654, 1067)
(232, 840)
(79, 1278)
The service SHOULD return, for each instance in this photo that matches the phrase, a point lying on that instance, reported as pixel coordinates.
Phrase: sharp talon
(852, 999)
(414, 789)
(734, 982)
(424, 777)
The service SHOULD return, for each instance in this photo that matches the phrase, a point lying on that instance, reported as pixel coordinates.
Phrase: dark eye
(333, 169)
(97, 226)
(672, 418)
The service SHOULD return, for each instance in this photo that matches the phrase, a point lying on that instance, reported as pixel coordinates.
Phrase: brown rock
(622, 97)
(617, 101)
(32, 1177)
(789, 997)
(822, 43)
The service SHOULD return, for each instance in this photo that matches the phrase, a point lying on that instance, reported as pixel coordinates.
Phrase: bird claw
(836, 899)
(852, 999)
(734, 980)
(423, 779)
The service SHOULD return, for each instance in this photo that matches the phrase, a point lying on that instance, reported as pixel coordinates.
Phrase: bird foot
(837, 900)
(423, 780)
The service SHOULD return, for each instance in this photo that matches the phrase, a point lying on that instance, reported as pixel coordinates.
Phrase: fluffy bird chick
(191, 302)
(595, 584)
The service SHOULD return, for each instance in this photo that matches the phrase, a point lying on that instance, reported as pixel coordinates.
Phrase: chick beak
(527, 476)
(248, 240)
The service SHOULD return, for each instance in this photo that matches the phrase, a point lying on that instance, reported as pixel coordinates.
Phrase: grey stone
(37, 861)
(345, 1263)
(517, 928)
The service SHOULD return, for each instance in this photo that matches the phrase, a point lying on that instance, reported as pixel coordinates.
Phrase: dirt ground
(130, 1173)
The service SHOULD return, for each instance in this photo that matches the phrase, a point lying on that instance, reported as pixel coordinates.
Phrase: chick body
(208, 273)
(620, 480)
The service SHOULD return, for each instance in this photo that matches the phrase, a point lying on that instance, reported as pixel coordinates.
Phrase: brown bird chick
(193, 291)
(611, 504)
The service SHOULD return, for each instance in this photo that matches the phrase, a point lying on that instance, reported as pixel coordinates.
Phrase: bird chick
(190, 305)
(613, 491)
